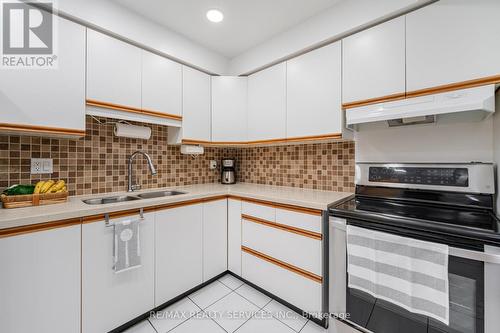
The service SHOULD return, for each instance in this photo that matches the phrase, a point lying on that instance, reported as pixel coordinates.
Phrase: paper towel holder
(132, 131)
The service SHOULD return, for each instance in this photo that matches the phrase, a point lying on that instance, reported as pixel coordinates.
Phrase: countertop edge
(81, 210)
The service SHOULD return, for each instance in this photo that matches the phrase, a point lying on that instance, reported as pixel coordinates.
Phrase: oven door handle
(475, 255)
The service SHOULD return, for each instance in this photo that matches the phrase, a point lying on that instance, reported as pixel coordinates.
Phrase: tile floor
(226, 305)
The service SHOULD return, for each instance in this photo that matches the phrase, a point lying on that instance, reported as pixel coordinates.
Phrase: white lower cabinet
(40, 282)
(214, 238)
(265, 212)
(282, 252)
(289, 286)
(290, 247)
(179, 260)
(305, 221)
(234, 236)
(110, 299)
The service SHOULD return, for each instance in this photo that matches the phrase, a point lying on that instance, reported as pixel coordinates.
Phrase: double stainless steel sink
(124, 198)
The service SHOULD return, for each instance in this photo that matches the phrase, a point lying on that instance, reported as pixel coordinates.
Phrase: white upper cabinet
(373, 62)
(114, 70)
(51, 101)
(314, 93)
(452, 41)
(161, 84)
(196, 97)
(229, 109)
(267, 104)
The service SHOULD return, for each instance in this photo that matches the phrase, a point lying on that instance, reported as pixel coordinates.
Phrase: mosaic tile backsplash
(97, 163)
(320, 166)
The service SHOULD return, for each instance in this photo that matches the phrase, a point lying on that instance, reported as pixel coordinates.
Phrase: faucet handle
(136, 187)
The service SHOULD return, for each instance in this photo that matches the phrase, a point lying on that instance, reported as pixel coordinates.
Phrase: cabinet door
(229, 109)
(109, 299)
(304, 293)
(40, 282)
(267, 104)
(161, 84)
(196, 122)
(214, 238)
(234, 236)
(374, 62)
(49, 97)
(113, 70)
(314, 93)
(179, 260)
(452, 41)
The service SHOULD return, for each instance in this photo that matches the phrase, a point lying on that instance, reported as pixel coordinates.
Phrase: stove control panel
(441, 176)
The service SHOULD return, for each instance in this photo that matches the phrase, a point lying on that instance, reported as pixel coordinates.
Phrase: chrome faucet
(133, 187)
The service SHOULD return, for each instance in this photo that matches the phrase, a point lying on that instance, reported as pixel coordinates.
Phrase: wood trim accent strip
(297, 209)
(41, 129)
(195, 142)
(375, 100)
(315, 137)
(190, 202)
(282, 264)
(227, 143)
(495, 79)
(131, 109)
(112, 215)
(266, 141)
(162, 114)
(331, 136)
(27, 229)
(455, 86)
(284, 227)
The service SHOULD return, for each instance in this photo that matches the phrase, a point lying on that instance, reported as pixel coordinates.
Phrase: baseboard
(146, 315)
(321, 322)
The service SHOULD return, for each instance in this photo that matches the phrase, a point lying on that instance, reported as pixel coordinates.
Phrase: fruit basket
(44, 193)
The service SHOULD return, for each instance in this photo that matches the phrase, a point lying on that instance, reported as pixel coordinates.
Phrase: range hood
(473, 104)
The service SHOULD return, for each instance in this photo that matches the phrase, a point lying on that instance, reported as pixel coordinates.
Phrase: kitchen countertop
(75, 208)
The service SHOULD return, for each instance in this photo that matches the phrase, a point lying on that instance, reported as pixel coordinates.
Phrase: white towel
(410, 273)
(127, 246)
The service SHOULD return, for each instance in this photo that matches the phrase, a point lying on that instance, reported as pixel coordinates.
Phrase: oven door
(466, 294)
(466, 281)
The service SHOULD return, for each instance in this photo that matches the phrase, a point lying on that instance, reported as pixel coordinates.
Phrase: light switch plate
(41, 166)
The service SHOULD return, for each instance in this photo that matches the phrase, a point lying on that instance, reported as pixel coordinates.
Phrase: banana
(38, 187)
(48, 184)
(56, 187)
(62, 190)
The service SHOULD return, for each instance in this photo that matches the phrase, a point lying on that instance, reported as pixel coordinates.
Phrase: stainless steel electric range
(452, 204)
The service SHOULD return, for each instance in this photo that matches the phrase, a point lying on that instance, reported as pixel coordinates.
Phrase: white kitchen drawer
(299, 220)
(265, 212)
(297, 250)
(290, 286)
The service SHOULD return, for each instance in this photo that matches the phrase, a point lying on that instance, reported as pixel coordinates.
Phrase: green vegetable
(19, 190)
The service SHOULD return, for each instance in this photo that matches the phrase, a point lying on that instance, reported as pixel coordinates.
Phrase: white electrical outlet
(213, 165)
(41, 165)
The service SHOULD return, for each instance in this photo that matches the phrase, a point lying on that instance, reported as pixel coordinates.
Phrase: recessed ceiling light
(214, 15)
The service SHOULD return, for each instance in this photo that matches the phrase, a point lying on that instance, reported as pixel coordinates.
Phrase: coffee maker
(228, 171)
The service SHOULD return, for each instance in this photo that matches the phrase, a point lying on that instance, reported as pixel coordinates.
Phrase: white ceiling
(247, 23)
